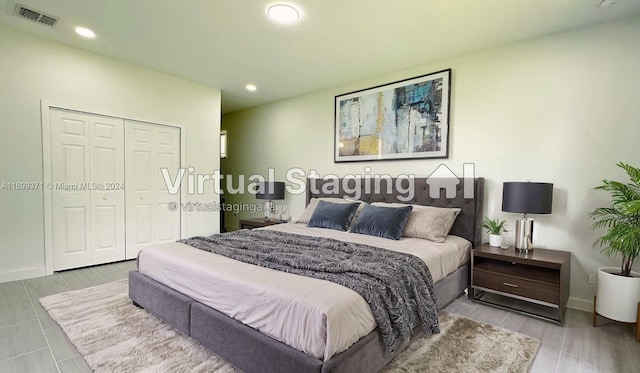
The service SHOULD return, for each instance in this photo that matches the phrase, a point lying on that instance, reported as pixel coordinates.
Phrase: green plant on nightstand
(495, 228)
(618, 295)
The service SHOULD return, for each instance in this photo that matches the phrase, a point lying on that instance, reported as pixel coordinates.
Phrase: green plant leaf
(621, 218)
(494, 226)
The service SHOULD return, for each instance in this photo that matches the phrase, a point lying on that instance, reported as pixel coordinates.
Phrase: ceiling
(227, 44)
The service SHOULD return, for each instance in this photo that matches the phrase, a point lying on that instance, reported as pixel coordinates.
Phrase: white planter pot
(618, 296)
(495, 240)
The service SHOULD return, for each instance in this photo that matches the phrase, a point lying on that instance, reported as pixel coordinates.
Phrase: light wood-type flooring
(31, 342)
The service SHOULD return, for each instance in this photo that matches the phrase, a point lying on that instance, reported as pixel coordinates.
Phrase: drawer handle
(508, 284)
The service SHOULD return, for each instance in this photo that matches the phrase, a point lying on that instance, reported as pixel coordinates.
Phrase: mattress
(317, 317)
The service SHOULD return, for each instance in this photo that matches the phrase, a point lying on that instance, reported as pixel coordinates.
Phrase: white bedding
(315, 316)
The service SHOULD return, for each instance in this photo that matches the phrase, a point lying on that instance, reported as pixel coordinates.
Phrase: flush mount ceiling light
(251, 87)
(283, 13)
(85, 32)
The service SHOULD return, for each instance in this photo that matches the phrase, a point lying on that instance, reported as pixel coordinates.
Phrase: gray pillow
(333, 215)
(427, 222)
(387, 222)
(313, 203)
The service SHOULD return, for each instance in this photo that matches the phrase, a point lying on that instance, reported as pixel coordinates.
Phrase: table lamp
(526, 198)
(270, 190)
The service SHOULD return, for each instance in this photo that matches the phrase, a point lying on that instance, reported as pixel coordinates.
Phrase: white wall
(561, 109)
(33, 69)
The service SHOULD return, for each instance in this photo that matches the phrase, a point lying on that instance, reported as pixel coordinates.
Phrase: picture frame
(406, 119)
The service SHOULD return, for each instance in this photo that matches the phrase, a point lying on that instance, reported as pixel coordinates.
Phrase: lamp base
(268, 207)
(524, 235)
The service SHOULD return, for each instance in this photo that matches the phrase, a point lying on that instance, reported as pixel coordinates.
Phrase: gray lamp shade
(527, 198)
(270, 190)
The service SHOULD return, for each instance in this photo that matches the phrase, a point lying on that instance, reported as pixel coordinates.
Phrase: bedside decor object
(495, 228)
(270, 191)
(526, 198)
(406, 119)
(618, 294)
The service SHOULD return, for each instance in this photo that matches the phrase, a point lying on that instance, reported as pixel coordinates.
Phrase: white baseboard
(22, 274)
(580, 304)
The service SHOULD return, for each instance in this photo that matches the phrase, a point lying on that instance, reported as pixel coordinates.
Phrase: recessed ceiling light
(283, 13)
(85, 32)
(251, 87)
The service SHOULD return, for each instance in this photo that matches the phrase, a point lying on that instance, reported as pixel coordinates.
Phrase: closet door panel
(70, 197)
(107, 189)
(140, 163)
(144, 222)
(149, 148)
(74, 228)
(169, 159)
(105, 233)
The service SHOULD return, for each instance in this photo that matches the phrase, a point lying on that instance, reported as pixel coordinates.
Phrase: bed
(207, 308)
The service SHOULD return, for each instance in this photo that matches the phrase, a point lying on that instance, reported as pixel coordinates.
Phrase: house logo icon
(444, 178)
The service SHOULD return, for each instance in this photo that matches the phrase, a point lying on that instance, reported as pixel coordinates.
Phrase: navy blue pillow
(387, 222)
(336, 216)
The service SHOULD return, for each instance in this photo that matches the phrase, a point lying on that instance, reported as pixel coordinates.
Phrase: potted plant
(618, 291)
(495, 228)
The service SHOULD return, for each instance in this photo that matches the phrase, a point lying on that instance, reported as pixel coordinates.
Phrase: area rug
(113, 335)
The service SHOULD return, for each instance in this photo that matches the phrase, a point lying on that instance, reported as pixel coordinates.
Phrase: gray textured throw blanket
(398, 287)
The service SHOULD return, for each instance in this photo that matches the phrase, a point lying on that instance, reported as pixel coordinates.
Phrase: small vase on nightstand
(495, 228)
(495, 240)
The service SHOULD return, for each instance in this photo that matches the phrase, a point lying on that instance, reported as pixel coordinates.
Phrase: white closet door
(87, 169)
(107, 194)
(169, 158)
(149, 148)
(70, 170)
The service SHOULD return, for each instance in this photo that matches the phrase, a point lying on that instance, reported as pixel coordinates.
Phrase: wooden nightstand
(255, 223)
(536, 283)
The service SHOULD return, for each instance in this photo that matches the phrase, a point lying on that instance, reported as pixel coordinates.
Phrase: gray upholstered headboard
(467, 224)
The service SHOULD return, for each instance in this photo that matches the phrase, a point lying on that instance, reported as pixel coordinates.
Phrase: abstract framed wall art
(407, 119)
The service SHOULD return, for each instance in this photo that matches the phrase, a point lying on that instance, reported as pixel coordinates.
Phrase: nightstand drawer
(517, 286)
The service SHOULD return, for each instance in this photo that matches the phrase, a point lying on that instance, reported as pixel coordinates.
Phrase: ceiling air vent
(35, 15)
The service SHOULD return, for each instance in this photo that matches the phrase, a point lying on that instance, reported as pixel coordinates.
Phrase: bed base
(252, 351)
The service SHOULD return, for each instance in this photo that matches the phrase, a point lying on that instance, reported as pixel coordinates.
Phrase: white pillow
(427, 222)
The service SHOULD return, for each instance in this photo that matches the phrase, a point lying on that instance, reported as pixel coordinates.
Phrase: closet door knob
(141, 197)
(105, 198)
